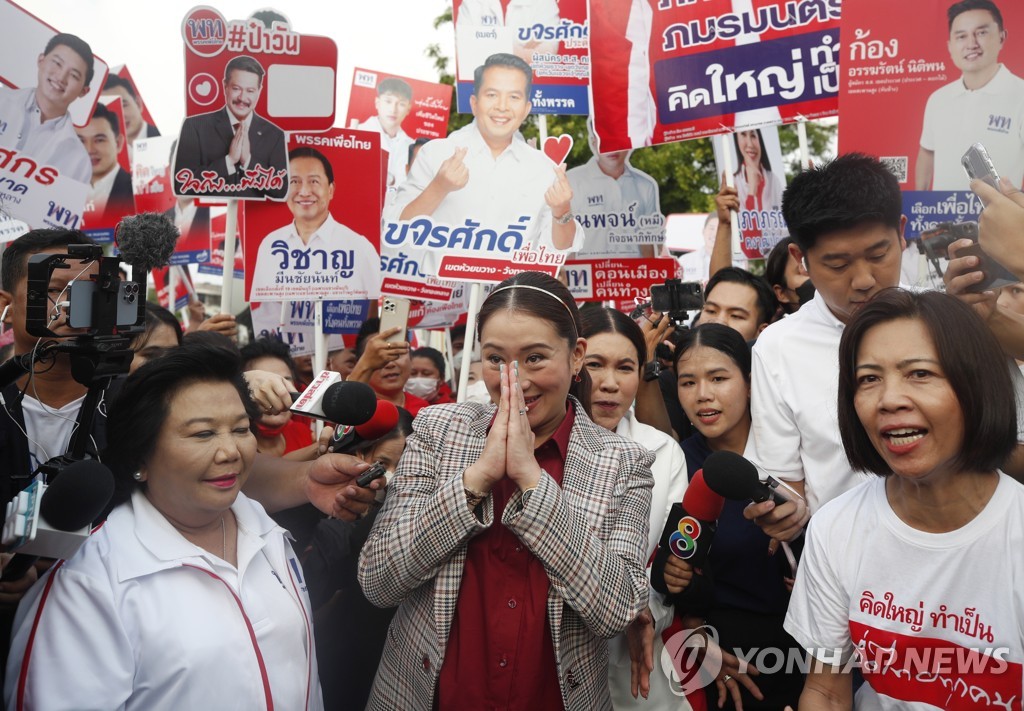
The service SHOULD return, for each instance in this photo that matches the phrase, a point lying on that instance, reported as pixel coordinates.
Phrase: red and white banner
(246, 83)
(759, 175)
(918, 89)
(323, 243)
(110, 195)
(45, 171)
(667, 70)
(616, 279)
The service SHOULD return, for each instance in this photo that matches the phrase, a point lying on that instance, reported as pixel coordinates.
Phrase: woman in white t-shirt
(917, 575)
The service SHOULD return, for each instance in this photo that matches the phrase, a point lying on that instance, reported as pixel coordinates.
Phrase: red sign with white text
(614, 279)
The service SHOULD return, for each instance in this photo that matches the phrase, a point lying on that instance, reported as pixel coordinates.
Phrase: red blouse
(500, 654)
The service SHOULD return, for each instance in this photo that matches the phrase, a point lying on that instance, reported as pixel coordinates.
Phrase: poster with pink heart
(247, 82)
(505, 209)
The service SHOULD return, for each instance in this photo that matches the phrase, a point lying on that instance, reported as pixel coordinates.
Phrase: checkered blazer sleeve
(599, 571)
(425, 518)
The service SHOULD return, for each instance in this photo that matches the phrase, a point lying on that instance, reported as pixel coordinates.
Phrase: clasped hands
(508, 451)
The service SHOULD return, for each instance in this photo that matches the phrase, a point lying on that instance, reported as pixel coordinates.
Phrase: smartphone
(376, 471)
(978, 165)
(394, 312)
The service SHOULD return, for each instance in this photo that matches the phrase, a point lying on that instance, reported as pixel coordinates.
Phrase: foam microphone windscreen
(700, 501)
(349, 403)
(385, 418)
(146, 240)
(77, 495)
(732, 476)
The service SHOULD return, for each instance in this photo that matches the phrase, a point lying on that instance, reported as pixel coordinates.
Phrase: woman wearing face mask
(350, 631)
(426, 377)
(750, 582)
(616, 351)
(385, 366)
(513, 536)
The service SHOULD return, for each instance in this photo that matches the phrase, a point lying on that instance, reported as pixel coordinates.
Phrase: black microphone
(76, 498)
(687, 535)
(734, 477)
(348, 402)
(146, 240)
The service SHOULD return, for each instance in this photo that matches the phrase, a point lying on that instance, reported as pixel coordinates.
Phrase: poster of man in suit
(233, 152)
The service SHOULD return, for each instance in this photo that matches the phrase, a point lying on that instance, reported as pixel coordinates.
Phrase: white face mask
(425, 388)
(477, 392)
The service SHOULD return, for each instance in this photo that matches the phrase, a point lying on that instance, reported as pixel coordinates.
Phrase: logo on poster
(366, 79)
(204, 31)
(999, 124)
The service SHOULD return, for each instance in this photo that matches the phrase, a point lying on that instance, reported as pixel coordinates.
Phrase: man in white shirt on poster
(985, 104)
(486, 173)
(393, 104)
(608, 185)
(353, 261)
(35, 120)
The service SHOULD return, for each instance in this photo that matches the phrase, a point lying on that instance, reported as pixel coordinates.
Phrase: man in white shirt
(485, 173)
(846, 217)
(393, 104)
(344, 264)
(35, 120)
(111, 195)
(609, 186)
(986, 104)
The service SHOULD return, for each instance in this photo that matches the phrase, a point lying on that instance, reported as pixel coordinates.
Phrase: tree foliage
(685, 170)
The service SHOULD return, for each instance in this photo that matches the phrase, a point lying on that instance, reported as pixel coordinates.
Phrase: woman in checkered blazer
(513, 536)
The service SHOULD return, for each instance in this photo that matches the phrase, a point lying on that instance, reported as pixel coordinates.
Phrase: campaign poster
(403, 274)
(45, 171)
(552, 36)
(323, 242)
(162, 284)
(139, 122)
(937, 85)
(401, 110)
(110, 194)
(440, 314)
(218, 230)
(246, 83)
(151, 182)
(759, 176)
(616, 279)
(496, 224)
(668, 70)
(293, 323)
(618, 206)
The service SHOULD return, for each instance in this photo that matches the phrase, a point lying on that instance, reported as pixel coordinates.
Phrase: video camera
(107, 311)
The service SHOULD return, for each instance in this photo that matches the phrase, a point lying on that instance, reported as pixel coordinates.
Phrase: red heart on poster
(557, 147)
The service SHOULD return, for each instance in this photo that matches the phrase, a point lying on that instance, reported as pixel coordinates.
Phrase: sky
(147, 37)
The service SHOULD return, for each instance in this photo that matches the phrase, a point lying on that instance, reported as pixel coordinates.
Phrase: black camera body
(935, 244)
(675, 297)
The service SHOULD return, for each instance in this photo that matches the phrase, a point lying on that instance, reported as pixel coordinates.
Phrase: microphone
(146, 240)
(687, 535)
(734, 477)
(53, 520)
(348, 439)
(330, 398)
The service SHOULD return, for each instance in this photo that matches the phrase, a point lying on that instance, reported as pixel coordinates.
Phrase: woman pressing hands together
(513, 537)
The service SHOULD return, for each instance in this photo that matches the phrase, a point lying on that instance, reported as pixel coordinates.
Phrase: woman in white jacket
(616, 353)
(189, 596)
